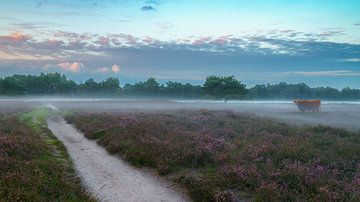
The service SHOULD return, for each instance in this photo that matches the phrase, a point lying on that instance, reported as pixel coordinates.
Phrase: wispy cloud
(15, 37)
(350, 60)
(27, 26)
(328, 34)
(148, 8)
(152, 2)
(41, 3)
(7, 56)
(336, 73)
(61, 42)
(134, 55)
(104, 70)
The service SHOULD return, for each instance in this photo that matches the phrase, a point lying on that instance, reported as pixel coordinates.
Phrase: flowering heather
(29, 170)
(228, 156)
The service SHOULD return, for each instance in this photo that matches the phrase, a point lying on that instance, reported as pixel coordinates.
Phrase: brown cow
(308, 105)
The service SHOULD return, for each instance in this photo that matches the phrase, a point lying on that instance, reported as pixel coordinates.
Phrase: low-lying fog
(344, 114)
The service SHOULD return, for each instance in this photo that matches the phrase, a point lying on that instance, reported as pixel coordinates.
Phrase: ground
(218, 151)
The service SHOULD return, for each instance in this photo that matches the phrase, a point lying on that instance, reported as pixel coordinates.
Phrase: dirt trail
(108, 177)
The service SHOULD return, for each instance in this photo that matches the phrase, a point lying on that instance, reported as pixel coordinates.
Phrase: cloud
(115, 68)
(102, 70)
(330, 33)
(148, 40)
(80, 4)
(25, 57)
(15, 37)
(324, 73)
(66, 44)
(72, 67)
(41, 3)
(202, 55)
(287, 30)
(148, 8)
(66, 34)
(152, 2)
(28, 26)
(223, 40)
(350, 60)
(103, 41)
(202, 40)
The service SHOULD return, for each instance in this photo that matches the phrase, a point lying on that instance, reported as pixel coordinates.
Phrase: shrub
(227, 156)
(29, 170)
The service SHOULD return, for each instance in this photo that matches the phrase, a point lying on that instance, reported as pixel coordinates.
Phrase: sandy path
(108, 177)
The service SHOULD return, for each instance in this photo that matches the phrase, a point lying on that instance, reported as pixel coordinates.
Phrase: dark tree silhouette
(225, 87)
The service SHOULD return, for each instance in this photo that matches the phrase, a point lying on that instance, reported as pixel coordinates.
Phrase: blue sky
(317, 42)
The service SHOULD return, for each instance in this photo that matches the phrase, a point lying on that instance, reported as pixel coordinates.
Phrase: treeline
(227, 87)
(56, 84)
(151, 87)
(301, 90)
(214, 87)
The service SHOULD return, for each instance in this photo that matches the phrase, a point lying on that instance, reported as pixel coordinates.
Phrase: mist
(344, 114)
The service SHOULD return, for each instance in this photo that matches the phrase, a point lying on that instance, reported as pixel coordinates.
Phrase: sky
(259, 42)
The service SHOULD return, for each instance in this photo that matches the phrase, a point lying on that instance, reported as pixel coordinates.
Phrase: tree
(214, 87)
(224, 87)
(12, 86)
(110, 86)
(181, 90)
(55, 83)
(149, 87)
(349, 93)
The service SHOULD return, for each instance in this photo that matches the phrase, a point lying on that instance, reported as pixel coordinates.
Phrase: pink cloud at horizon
(73, 67)
(115, 68)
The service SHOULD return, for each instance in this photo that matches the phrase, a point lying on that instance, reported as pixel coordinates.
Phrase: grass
(34, 165)
(227, 156)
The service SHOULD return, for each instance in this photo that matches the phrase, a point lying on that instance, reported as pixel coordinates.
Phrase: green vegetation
(152, 88)
(55, 84)
(227, 156)
(224, 87)
(301, 90)
(214, 88)
(34, 165)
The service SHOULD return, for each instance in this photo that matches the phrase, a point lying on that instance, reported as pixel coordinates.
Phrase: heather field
(34, 166)
(229, 156)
